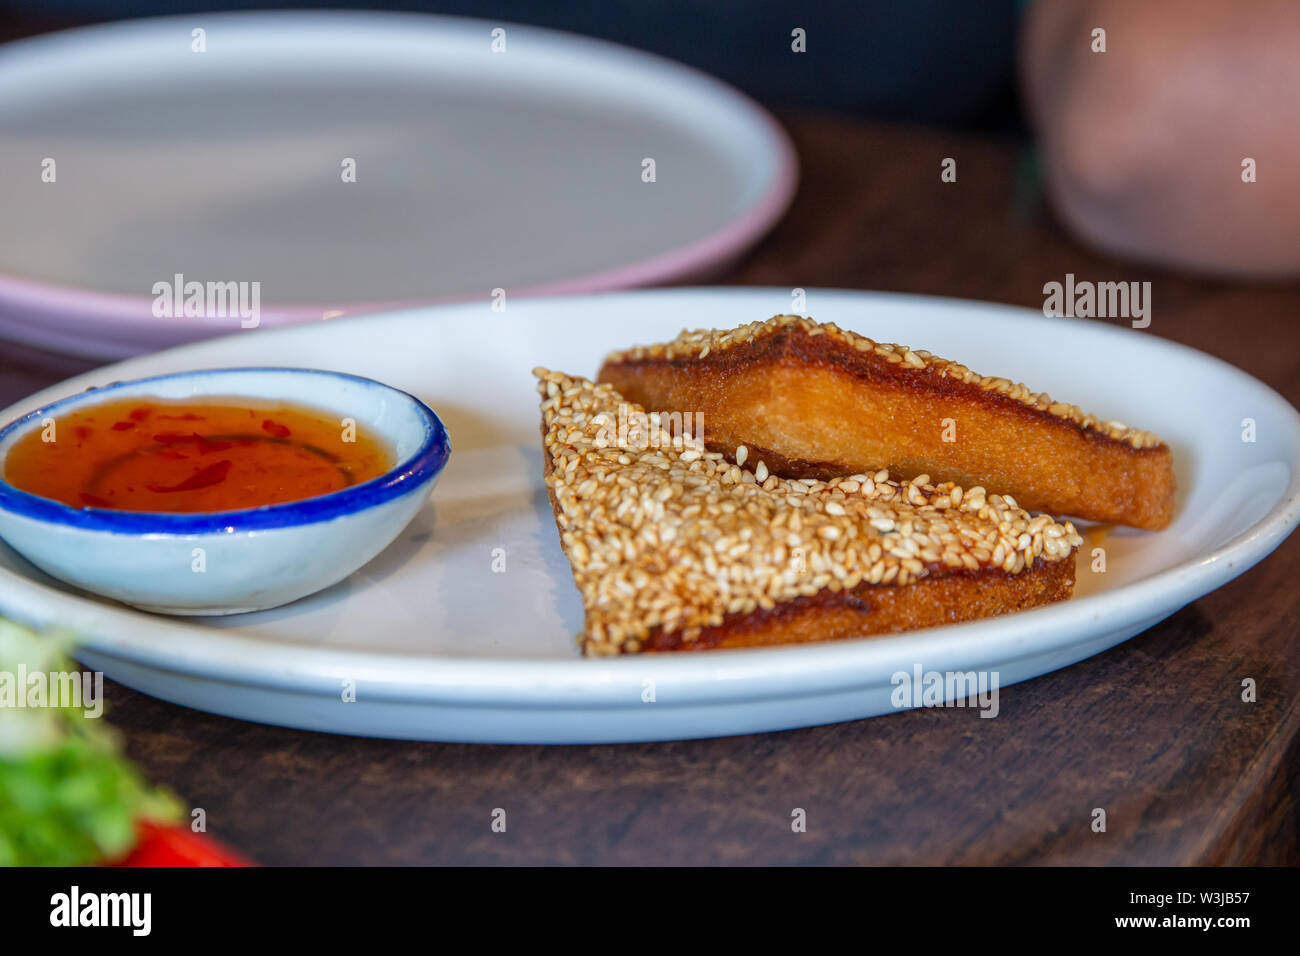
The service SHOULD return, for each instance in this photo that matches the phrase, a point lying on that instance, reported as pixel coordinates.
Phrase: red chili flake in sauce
(108, 455)
(213, 474)
(205, 445)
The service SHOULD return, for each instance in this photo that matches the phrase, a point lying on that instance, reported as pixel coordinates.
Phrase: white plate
(443, 648)
(475, 170)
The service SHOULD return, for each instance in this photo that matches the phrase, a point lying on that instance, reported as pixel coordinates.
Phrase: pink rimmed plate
(480, 156)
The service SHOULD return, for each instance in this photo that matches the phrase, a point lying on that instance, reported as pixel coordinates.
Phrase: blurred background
(1143, 115)
(927, 61)
(1089, 134)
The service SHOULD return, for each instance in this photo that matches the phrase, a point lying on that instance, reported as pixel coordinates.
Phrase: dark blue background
(945, 62)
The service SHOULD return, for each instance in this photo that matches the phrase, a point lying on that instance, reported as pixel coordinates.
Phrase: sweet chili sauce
(192, 455)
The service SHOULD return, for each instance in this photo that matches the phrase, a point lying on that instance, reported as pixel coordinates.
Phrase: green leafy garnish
(67, 795)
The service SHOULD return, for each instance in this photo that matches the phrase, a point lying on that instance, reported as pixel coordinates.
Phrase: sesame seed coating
(700, 343)
(664, 535)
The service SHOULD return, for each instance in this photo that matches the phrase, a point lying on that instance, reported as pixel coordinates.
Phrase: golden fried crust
(942, 598)
(814, 405)
(674, 547)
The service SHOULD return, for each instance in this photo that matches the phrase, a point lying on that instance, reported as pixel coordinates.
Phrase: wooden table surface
(1154, 730)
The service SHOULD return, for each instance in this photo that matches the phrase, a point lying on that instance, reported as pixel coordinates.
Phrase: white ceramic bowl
(252, 559)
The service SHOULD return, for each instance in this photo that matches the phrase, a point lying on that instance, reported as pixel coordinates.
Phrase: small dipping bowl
(254, 558)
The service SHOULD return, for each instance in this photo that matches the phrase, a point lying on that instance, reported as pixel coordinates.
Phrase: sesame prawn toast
(813, 401)
(675, 548)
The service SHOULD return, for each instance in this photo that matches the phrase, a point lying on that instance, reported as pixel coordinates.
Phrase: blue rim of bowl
(406, 476)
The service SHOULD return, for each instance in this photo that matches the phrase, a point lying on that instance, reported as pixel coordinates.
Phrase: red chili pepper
(205, 445)
(213, 474)
(275, 429)
(178, 846)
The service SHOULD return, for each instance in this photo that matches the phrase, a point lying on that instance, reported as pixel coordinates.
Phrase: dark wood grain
(1153, 730)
